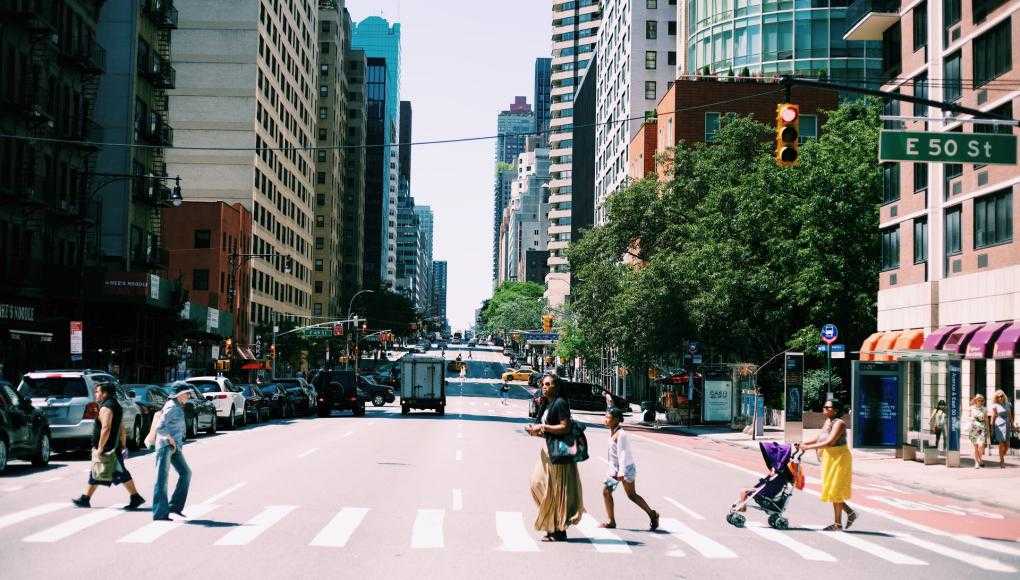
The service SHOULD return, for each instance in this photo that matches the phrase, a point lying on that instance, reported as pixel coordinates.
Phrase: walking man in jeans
(170, 451)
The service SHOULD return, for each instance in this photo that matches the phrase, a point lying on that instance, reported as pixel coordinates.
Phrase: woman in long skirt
(837, 465)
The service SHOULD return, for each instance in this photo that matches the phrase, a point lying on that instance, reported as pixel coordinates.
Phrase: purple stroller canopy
(776, 454)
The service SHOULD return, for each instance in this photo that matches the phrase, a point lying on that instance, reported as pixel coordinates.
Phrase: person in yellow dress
(837, 464)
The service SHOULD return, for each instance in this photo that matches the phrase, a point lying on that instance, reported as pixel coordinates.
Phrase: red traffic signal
(338, 330)
(787, 134)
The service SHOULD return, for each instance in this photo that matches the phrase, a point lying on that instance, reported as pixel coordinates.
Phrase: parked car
(278, 400)
(305, 403)
(338, 389)
(256, 406)
(225, 396)
(24, 430)
(199, 412)
(150, 399)
(581, 397)
(521, 374)
(68, 399)
(378, 394)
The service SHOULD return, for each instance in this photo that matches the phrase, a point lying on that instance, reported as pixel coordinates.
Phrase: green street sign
(984, 148)
(318, 332)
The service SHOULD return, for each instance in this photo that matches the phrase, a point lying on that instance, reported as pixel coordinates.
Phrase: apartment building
(528, 209)
(542, 102)
(439, 280)
(504, 179)
(426, 235)
(353, 214)
(513, 126)
(574, 32)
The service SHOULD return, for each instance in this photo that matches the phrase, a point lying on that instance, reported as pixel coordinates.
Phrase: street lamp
(354, 329)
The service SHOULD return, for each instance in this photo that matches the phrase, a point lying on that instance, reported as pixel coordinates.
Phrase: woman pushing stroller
(837, 464)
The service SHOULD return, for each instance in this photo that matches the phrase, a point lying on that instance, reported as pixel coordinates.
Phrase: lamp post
(350, 307)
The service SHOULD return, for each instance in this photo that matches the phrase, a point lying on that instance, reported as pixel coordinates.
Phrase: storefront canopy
(869, 345)
(981, 343)
(885, 344)
(1006, 344)
(960, 338)
(935, 340)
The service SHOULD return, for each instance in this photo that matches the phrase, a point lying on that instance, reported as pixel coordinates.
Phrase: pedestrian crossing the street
(681, 534)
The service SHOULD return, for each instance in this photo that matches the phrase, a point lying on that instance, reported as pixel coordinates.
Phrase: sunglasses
(828, 407)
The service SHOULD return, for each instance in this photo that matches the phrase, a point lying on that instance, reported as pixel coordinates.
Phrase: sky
(463, 61)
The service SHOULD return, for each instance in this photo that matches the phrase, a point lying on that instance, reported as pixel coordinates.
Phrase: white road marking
(370, 423)
(513, 535)
(307, 453)
(12, 488)
(225, 492)
(253, 528)
(459, 456)
(783, 539)
(460, 435)
(339, 530)
(458, 500)
(965, 557)
(605, 541)
(684, 508)
(348, 434)
(51, 479)
(994, 546)
(708, 547)
(428, 529)
(604, 460)
(854, 540)
(152, 531)
(40, 510)
(74, 525)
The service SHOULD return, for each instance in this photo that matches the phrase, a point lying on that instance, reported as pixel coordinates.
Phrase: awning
(868, 347)
(960, 337)
(1006, 344)
(935, 340)
(980, 345)
(254, 365)
(885, 344)
(909, 340)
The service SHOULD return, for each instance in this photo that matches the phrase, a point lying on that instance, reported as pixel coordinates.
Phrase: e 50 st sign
(983, 148)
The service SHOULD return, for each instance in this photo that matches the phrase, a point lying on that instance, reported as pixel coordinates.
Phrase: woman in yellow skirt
(837, 465)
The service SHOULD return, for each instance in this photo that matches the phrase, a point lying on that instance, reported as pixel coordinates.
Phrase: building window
(671, 28)
(320, 221)
(921, 91)
(711, 126)
(321, 154)
(317, 309)
(323, 90)
(671, 58)
(323, 134)
(651, 59)
(651, 29)
(203, 239)
(953, 87)
(200, 280)
(953, 229)
(324, 47)
(324, 69)
(320, 243)
(651, 4)
(320, 177)
(325, 25)
(322, 113)
(920, 26)
(890, 248)
(891, 182)
(920, 177)
(808, 127)
(318, 286)
(891, 50)
(320, 199)
(993, 53)
(318, 264)
(982, 8)
(993, 219)
(649, 89)
(920, 240)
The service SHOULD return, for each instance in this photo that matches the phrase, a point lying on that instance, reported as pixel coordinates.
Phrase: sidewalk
(991, 486)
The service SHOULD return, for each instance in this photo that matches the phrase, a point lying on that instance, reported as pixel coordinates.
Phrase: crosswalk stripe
(513, 535)
(684, 508)
(39, 510)
(853, 540)
(708, 547)
(965, 557)
(994, 546)
(801, 549)
(225, 492)
(74, 525)
(338, 531)
(153, 531)
(458, 500)
(307, 453)
(604, 540)
(254, 527)
(428, 529)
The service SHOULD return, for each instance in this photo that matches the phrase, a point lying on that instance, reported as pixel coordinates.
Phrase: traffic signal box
(547, 323)
(787, 134)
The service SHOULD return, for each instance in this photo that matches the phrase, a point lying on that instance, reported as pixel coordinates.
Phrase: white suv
(228, 399)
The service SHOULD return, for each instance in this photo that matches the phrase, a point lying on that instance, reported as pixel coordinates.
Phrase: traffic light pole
(300, 328)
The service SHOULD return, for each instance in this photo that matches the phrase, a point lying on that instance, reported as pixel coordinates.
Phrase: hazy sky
(463, 62)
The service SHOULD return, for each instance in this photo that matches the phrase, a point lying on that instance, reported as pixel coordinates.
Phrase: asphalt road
(423, 496)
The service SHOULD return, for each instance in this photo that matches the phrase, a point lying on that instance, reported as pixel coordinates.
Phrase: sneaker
(83, 502)
(161, 519)
(136, 502)
(178, 511)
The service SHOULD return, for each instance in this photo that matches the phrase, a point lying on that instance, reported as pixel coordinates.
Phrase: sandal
(549, 537)
(833, 528)
(655, 520)
(560, 536)
(850, 519)
(608, 525)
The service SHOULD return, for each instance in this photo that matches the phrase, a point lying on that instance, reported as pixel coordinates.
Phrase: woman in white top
(622, 469)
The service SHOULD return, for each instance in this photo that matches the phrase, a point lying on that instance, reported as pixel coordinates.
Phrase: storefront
(202, 340)
(29, 339)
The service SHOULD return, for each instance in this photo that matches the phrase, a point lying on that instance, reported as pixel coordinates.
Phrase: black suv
(24, 431)
(337, 389)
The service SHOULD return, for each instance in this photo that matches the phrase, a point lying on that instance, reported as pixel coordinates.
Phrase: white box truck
(422, 383)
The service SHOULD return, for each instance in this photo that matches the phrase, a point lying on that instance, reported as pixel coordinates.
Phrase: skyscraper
(353, 214)
(439, 291)
(543, 84)
(425, 241)
(501, 193)
(575, 28)
(512, 128)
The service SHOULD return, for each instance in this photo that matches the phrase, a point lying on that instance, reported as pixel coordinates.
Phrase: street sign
(830, 333)
(317, 332)
(77, 340)
(836, 350)
(984, 148)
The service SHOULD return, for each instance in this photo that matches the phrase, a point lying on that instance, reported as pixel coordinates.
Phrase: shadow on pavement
(212, 524)
(22, 469)
(433, 416)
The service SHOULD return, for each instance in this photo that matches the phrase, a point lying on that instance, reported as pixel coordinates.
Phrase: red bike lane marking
(942, 514)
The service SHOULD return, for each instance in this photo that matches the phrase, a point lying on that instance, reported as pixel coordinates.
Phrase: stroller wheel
(778, 522)
(736, 519)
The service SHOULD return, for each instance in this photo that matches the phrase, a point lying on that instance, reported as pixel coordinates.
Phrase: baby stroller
(772, 492)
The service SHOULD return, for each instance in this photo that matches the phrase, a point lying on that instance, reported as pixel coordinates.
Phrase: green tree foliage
(514, 306)
(816, 385)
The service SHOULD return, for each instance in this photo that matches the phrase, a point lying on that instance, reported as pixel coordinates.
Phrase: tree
(514, 306)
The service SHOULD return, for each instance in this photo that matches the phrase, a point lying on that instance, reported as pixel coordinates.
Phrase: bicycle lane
(915, 508)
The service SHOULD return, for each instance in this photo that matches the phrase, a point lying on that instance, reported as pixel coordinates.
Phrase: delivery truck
(422, 383)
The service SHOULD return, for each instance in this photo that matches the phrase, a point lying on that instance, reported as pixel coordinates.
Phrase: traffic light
(338, 330)
(787, 134)
(547, 322)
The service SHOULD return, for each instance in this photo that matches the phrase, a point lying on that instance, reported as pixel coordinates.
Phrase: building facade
(353, 214)
(439, 279)
(582, 165)
(501, 198)
(574, 32)
(528, 209)
(426, 233)
(541, 98)
(513, 126)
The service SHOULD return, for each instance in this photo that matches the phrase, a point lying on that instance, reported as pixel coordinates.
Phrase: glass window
(890, 248)
(982, 8)
(320, 177)
(891, 50)
(951, 77)
(671, 28)
(920, 240)
(200, 279)
(320, 243)
(318, 264)
(993, 53)
(993, 219)
(322, 112)
(318, 286)
(920, 20)
(203, 239)
(651, 29)
(671, 58)
(920, 176)
(649, 89)
(651, 4)
(890, 182)
(711, 126)
(317, 309)
(320, 221)
(323, 90)
(921, 91)
(953, 241)
(808, 127)
(1005, 110)
(651, 58)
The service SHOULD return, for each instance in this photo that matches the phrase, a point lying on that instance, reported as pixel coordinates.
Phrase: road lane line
(225, 492)
(783, 539)
(428, 529)
(74, 525)
(854, 540)
(338, 531)
(370, 423)
(307, 453)
(459, 455)
(254, 527)
(513, 535)
(605, 541)
(51, 479)
(40, 510)
(458, 500)
(684, 508)
(708, 547)
(153, 531)
(965, 557)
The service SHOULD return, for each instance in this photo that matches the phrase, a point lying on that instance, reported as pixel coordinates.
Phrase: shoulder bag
(569, 448)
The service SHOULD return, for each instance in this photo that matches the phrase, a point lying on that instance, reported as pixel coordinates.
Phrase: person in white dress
(622, 469)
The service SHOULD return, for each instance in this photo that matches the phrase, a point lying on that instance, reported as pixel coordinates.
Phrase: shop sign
(794, 380)
(154, 287)
(955, 403)
(19, 313)
(128, 284)
(212, 320)
(77, 340)
(718, 402)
